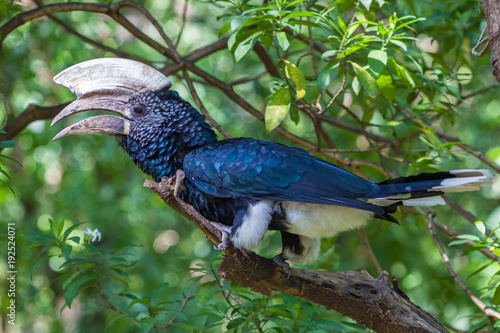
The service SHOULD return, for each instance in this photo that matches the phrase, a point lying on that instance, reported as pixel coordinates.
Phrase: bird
(245, 186)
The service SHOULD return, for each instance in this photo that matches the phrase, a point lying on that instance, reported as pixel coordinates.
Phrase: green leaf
(481, 269)
(267, 40)
(377, 59)
(294, 114)
(368, 114)
(246, 45)
(66, 250)
(3, 8)
(225, 28)
(295, 74)
(384, 82)
(367, 3)
(327, 75)
(481, 227)
(356, 87)
(277, 108)
(60, 229)
(305, 22)
(74, 287)
(7, 144)
(159, 289)
(496, 297)
(329, 53)
(145, 301)
(76, 261)
(344, 5)
(205, 293)
(402, 73)
(365, 79)
(398, 43)
(283, 40)
(37, 265)
(109, 323)
(70, 229)
(53, 227)
(301, 14)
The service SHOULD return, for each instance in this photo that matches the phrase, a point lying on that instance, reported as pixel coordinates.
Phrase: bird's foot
(283, 264)
(225, 231)
(179, 178)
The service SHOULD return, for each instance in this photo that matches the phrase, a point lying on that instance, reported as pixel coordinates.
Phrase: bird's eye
(138, 110)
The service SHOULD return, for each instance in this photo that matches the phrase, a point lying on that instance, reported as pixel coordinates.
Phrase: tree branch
(480, 304)
(370, 302)
(32, 113)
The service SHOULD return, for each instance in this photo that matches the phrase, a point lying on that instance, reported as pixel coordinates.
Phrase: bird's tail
(426, 189)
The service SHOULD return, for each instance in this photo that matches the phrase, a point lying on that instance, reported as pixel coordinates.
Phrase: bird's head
(155, 126)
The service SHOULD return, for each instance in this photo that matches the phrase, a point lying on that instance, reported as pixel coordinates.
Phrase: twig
(466, 214)
(90, 41)
(183, 25)
(479, 42)
(451, 233)
(185, 301)
(478, 92)
(480, 304)
(369, 250)
(202, 108)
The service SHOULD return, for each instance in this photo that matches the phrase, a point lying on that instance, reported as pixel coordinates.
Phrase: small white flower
(95, 234)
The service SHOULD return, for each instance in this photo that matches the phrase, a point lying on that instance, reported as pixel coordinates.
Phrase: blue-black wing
(249, 168)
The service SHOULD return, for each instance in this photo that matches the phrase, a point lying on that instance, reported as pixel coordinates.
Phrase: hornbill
(248, 185)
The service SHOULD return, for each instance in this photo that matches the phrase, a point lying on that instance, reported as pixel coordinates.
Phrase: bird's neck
(162, 154)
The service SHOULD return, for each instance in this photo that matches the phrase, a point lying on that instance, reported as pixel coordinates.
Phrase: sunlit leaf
(365, 79)
(295, 74)
(277, 108)
(384, 82)
(367, 3)
(283, 40)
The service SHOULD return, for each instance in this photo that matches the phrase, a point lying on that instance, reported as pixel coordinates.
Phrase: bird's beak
(106, 84)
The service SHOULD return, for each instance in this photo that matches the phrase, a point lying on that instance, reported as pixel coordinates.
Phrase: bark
(492, 14)
(370, 302)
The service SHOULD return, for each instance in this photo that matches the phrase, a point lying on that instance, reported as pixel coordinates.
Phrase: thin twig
(451, 233)
(202, 108)
(369, 250)
(185, 301)
(480, 304)
(183, 25)
(90, 41)
(479, 42)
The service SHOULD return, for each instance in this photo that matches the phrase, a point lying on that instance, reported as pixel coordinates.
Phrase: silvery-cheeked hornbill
(246, 184)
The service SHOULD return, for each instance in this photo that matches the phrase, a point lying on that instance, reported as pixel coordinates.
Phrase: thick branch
(370, 302)
(32, 113)
(492, 14)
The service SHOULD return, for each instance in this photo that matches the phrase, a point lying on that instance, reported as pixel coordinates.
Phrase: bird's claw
(179, 178)
(278, 259)
(225, 231)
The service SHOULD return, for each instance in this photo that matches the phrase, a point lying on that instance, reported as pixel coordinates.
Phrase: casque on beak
(106, 84)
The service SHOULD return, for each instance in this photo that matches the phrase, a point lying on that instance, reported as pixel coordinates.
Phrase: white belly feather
(310, 220)
(318, 221)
